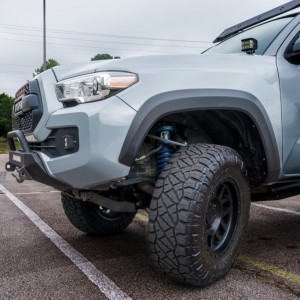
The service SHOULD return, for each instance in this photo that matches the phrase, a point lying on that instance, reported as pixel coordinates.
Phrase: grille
(23, 122)
(24, 90)
(28, 107)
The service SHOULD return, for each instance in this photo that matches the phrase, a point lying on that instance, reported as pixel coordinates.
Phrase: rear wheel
(198, 214)
(94, 219)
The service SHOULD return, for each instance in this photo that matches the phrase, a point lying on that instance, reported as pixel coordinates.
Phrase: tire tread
(85, 217)
(173, 211)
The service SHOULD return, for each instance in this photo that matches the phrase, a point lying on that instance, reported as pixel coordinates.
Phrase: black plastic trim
(168, 103)
(37, 112)
(31, 102)
(258, 19)
(30, 161)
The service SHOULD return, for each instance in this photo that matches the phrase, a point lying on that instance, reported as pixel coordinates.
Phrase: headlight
(93, 87)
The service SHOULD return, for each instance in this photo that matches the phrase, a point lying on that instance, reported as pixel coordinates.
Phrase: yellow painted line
(271, 269)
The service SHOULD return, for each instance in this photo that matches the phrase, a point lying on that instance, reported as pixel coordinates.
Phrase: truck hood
(147, 64)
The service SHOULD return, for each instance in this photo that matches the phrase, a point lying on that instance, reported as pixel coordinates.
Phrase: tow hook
(21, 175)
(18, 178)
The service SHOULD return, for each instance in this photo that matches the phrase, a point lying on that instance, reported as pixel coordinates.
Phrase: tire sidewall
(222, 261)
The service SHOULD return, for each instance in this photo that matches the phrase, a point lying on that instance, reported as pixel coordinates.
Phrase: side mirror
(293, 57)
(292, 53)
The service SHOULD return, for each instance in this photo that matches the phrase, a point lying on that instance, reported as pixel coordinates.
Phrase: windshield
(264, 34)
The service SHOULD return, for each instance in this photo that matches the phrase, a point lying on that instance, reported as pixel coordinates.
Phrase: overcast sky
(77, 30)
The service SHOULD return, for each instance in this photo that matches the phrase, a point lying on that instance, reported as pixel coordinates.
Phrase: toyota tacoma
(191, 139)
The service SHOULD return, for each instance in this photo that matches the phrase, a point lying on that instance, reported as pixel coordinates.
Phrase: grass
(3, 145)
(4, 148)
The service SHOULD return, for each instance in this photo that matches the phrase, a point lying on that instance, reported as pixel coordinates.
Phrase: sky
(77, 30)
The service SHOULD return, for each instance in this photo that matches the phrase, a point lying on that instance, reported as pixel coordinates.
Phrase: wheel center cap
(213, 212)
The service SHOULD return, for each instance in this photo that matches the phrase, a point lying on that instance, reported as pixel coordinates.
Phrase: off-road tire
(198, 214)
(91, 218)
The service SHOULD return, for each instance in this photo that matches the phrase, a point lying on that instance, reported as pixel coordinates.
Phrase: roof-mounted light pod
(249, 45)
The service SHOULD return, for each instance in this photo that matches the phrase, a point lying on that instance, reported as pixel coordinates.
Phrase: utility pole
(44, 43)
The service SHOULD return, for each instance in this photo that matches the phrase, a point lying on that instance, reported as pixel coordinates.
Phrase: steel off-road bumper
(28, 164)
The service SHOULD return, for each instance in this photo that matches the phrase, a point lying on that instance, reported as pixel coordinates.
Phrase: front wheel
(94, 219)
(199, 213)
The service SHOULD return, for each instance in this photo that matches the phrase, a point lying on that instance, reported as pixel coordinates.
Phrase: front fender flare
(172, 102)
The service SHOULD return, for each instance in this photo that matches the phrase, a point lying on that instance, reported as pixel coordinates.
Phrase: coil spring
(167, 150)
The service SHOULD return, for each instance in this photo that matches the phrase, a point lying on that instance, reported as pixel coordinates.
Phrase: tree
(104, 56)
(50, 63)
(6, 104)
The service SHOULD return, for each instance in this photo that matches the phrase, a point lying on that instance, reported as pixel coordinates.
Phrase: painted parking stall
(57, 261)
(106, 286)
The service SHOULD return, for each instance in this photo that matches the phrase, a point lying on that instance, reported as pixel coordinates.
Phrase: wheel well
(229, 128)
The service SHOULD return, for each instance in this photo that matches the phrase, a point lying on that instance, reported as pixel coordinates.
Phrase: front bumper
(102, 128)
(29, 164)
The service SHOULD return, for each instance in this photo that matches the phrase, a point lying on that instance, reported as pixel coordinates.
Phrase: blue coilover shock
(167, 150)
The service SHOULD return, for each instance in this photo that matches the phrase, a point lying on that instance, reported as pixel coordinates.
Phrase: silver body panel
(103, 124)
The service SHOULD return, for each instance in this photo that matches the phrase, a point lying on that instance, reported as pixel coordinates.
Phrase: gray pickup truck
(192, 139)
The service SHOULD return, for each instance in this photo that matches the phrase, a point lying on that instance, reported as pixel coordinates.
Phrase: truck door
(288, 63)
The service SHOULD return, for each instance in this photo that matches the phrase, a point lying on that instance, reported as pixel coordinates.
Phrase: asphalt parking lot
(42, 256)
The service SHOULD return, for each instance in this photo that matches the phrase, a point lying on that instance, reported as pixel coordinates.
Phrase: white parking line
(106, 286)
(33, 193)
(277, 209)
